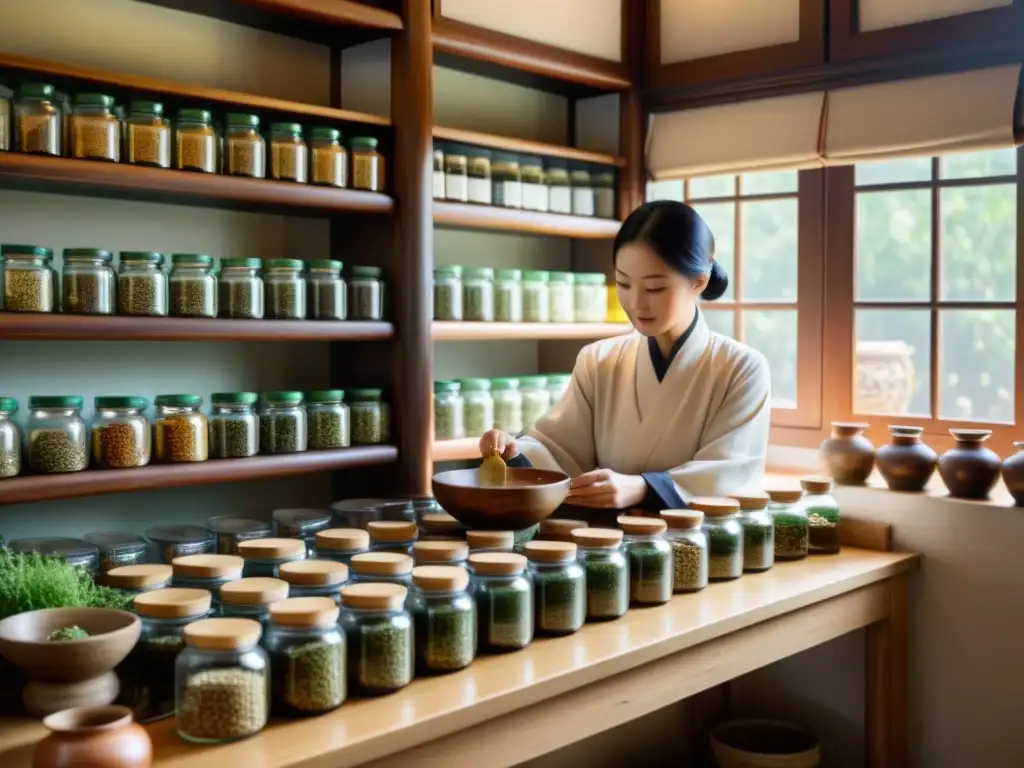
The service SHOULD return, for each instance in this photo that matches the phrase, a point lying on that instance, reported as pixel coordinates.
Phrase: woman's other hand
(604, 489)
(502, 442)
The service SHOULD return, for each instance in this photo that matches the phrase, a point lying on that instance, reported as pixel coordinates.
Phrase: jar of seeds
(221, 681)
(444, 619)
(559, 529)
(307, 656)
(328, 161)
(196, 141)
(559, 586)
(193, 287)
(56, 436)
(367, 417)
(559, 192)
(121, 435)
(582, 192)
(440, 526)
(367, 164)
(251, 597)
(792, 529)
(508, 295)
(229, 531)
(357, 513)
(171, 541)
(600, 552)
(490, 541)
(38, 121)
(382, 567)
(117, 549)
(365, 294)
(557, 384)
(240, 289)
(650, 559)
(379, 638)
(604, 195)
(725, 536)
(535, 399)
(536, 296)
(233, 425)
(95, 129)
(326, 290)
(448, 421)
(822, 512)
(142, 284)
(758, 531)
(590, 298)
(76, 552)
(561, 296)
(328, 419)
(478, 405)
(148, 135)
(506, 180)
(315, 578)
(264, 556)
(342, 544)
(478, 173)
(289, 157)
(303, 524)
(478, 294)
(89, 284)
(438, 174)
(535, 190)
(504, 600)
(508, 405)
(209, 572)
(10, 439)
(245, 152)
(689, 549)
(30, 282)
(181, 432)
(392, 536)
(285, 289)
(448, 293)
(283, 423)
(438, 552)
(134, 580)
(456, 182)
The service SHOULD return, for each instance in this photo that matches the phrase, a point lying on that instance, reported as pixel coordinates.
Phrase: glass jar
(508, 405)
(285, 289)
(222, 682)
(264, 556)
(282, 421)
(536, 400)
(582, 192)
(171, 541)
(448, 411)
(504, 601)
(252, 596)
(559, 191)
(792, 529)
(536, 296)
(302, 524)
(367, 164)
(392, 536)
(289, 156)
(438, 174)
(456, 182)
(209, 572)
(95, 129)
(240, 289)
(121, 435)
(560, 294)
(358, 513)
(315, 578)
(5, 118)
(725, 536)
(506, 181)
(89, 283)
(196, 141)
(382, 567)
(448, 293)
(440, 526)
(559, 587)
(604, 195)
(478, 294)
(689, 549)
(367, 417)
(379, 638)
(38, 121)
(478, 174)
(590, 298)
(30, 282)
(229, 531)
(490, 541)
(444, 619)
(365, 294)
(385, 421)
(558, 383)
(600, 552)
(307, 656)
(440, 552)
(650, 559)
(758, 532)
(822, 512)
(134, 580)
(478, 406)
(328, 420)
(328, 161)
(10, 439)
(234, 425)
(142, 284)
(76, 552)
(535, 190)
(246, 153)
(342, 544)
(508, 295)
(181, 430)
(148, 135)
(326, 290)
(193, 287)
(56, 436)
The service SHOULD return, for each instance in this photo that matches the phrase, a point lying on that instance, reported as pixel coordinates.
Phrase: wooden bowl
(529, 496)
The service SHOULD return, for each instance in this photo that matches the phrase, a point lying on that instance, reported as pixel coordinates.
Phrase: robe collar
(661, 363)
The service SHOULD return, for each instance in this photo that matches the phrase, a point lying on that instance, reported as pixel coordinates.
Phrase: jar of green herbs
(283, 427)
(315, 578)
(822, 512)
(134, 580)
(689, 544)
(303, 524)
(382, 568)
(327, 416)
(477, 405)
(535, 189)
(229, 531)
(536, 297)
(240, 289)
(650, 559)
(444, 619)
(326, 290)
(600, 552)
(725, 536)
(535, 399)
(234, 426)
(508, 405)
(342, 544)
(10, 439)
(792, 529)
(264, 556)
(508, 295)
(366, 293)
(367, 416)
(503, 594)
(307, 656)
(379, 638)
(117, 549)
(209, 572)
(193, 287)
(56, 437)
(285, 289)
(559, 586)
(758, 531)
(251, 597)
(448, 411)
(142, 284)
(478, 294)
(448, 293)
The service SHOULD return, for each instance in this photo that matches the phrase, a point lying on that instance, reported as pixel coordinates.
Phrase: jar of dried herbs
(367, 164)
(792, 529)
(444, 619)
(95, 129)
(535, 399)
(251, 597)
(196, 141)
(559, 586)
(193, 287)
(508, 405)
(506, 181)
(559, 191)
(303, 524)
(689, 549)
(456, 183)
(822, 512)
(230, 530)
(76, 552)
(307, 656)
(725, 536)
(590, 298)
(600, 552)
(148, 135)
(604, 195)
(264, 556)
(10, 439)
(342, 544)
(382, 567)
(134, 580)
(142, 284)
(440, 552)
(557, 384)
(326, 289)
(559, 529)
(30, 282)
(181, 432)
(582, 192)
(365, 294)
(234, 425)
(478, 173)
(478, 405)
(328, 161)
(38, 120)
(246, 153)
(328, 419)
(561, 295)
(285, 289)
(89, 282)
(315, 578)
(650, 559)
(209, 572)
(392, 536)
(240, 289)
(478, 294)
(448, 293)
(448, 413)
(289, 156)
(283, 422)
(508, 295)
(438, 174)
(56, 435)
(367, 417)
(503, 595)
(758, 532)
(481, 542)
(535, 190)
(379, 638)
(536, 296)
(171, 541)
(121, 436)
(222, 681)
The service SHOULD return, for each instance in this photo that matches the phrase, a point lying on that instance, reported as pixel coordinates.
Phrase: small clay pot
(101, 737)
(848, 455)
(969, 469)
(1013, 474)
(906, 463)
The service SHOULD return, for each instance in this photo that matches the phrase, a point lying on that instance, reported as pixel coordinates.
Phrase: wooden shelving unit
(450, 331)
(523, 146)
(490, 217)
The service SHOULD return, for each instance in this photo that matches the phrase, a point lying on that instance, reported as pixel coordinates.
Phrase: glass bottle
(367, 418)
(10, 439)
(209, 572)
(148, 135)
(171, 541)
(590, 298)
(121, 436)
(438, 174)
(822, 512)
(725, 536)
(326, 290)
(382, 567)
(76, 552)
(792, 529)
(89, 283)
(367, 164)
(559, 191)
(283, 427)
(536, 400)
(448, 293)
(246, 152)
(95, 129)
(240, 289)
(285, 289)
(689, 549)
(142, 284)
(365, 294)
(30, 282)
(478, 175)
(650, 559)
(535, 190)
(448, 411)
(758, 532)
(440, 552)
(328, 160)
(234, 425)
(56, 435)
(599, 551)
(251, 597)
(490, 541)
(307, 656)
(557, 384)
(196, 141)
(506, 181)
(508, 405)
(315, 578)
(504, 600)
(289, 156)
(342, 544)
(508, 295)
(230, 530)
(536, 296)
(302, 524)
(379, 638)
(264, 556)
(328, 420)
(181, 431)
(582, 192)
(134, 580)
(559, 587)
(392, 536)
(604, 195)
(478, 406)
(444, 619)
(560, 293)
(193, 287)
(38, 121)
(5, 118)
(456, 182)
(478, 294)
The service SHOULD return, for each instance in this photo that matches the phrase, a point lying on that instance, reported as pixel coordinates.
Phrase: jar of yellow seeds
(95, 129)
(148, 135)
(328, 160)
(245, 153)
(181, 432)
(196, 141)
(288, 153)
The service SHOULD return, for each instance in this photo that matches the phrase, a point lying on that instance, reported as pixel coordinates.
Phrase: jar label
(583, 201)
(479, 191)
(508, 194)
(560, 199)
(535, 197)
(439, 185)
(604, 203)
(456, 187)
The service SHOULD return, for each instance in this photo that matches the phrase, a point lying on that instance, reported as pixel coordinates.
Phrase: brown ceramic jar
(906, 463)
(848, 455)
(1013, 474)
(969, 469)
(105, 737)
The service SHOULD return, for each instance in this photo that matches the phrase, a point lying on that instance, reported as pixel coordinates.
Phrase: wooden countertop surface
(363, 730)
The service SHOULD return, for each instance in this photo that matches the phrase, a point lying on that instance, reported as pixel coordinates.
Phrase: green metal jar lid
(179, 400)
(55, 401)
(505, 383)
(478, 153)
(478, 273)
(146, 107)
(505, 158)
(172, 534)
(441, 387)
(26, 250)
(94, 100)
(191, 258)
(325, 396)
(246, 263)
(326, 134)
(285, 264)
(536, 276)
(142, 257)
(475, 385)
(234, 398)
(450, 270)
(364, 395)
(116, 542)
(604, 179)
(120, 401)
(37, 91)
(8, 404)
(289, 129)
(591, 278)
(533, 382)
(326, 264)
(508, 274)
(363, 142)
(561, 277)
(282, 397)
(97, 254)
(366, 272)
(194, 115)
(535, 163)
(242, 119)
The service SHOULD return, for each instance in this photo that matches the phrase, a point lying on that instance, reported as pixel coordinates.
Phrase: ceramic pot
(100, 737)
(764, 744)
(1013, 474)
(969, 469)
(848, 456)
(906, 463)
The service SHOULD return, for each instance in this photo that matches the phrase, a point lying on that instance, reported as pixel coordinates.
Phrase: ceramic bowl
(529, 496)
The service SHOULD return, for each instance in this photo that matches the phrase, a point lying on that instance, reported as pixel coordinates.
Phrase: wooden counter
(510, 708)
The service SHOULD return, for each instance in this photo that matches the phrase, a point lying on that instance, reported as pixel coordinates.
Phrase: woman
(670, 412)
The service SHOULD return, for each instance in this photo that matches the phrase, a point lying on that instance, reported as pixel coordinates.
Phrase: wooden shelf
(463, 449)
(525, 147)
(15, 325)
(491, 217)
(451, 331)
(93, 482)
(335, 12)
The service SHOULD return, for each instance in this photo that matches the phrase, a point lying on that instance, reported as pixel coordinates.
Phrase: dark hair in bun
(680, 237)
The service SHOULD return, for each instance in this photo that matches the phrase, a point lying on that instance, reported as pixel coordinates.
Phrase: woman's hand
(502, 442)
(604, 489)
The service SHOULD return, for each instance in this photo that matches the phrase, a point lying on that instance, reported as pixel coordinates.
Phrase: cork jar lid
(497, 563)
(597, 538)
(382, 564)
(751, 500)
(635, 525)
(550, 551)
(208, 566)
(255, 590)
(138, 576)
(374, 597)
(441, 522)
(682, 519)
(314, 573)
(391, 531)
(424, 552)
(342, 539)
(785, 495)
(715, 506)
(561, 526)
(272, 549)
(223, 634)
(440, 578)
(816, 484)
(173, 603)
(313, 612)
(490, 539)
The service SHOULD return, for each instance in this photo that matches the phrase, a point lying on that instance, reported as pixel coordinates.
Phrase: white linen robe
(706, 423)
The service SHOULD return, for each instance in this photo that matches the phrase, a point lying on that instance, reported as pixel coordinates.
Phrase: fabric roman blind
(882, 14)
(696, 29)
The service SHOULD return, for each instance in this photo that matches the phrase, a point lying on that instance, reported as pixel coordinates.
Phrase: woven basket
(764, 744)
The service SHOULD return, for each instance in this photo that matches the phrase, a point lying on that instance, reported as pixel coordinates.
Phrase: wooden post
(886, 701)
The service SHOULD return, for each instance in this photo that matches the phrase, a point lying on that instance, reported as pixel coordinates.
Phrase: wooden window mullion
(934, 294)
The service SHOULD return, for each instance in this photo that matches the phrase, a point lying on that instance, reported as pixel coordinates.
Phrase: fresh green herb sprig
(74, 632)
(29, 582)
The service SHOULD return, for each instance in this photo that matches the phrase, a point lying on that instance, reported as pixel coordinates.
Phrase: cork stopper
(441, 523)
(374, 597)
(497, 563)
(391, 531)
(342, 540)
(173, 603)
(208, 566)
(816, 484)
(490, 539)
(550, 551)
(597, 538)
(382, 564)
(634, 525)
(138, 576)
(255, 590)
(272, 549)
(715, 506)
(682, 519)
(785, 495)
(560, 526)
(752, 500)
(425, 552)
(440, 578)
(318, 612)
(314, 573)
(223, 634)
